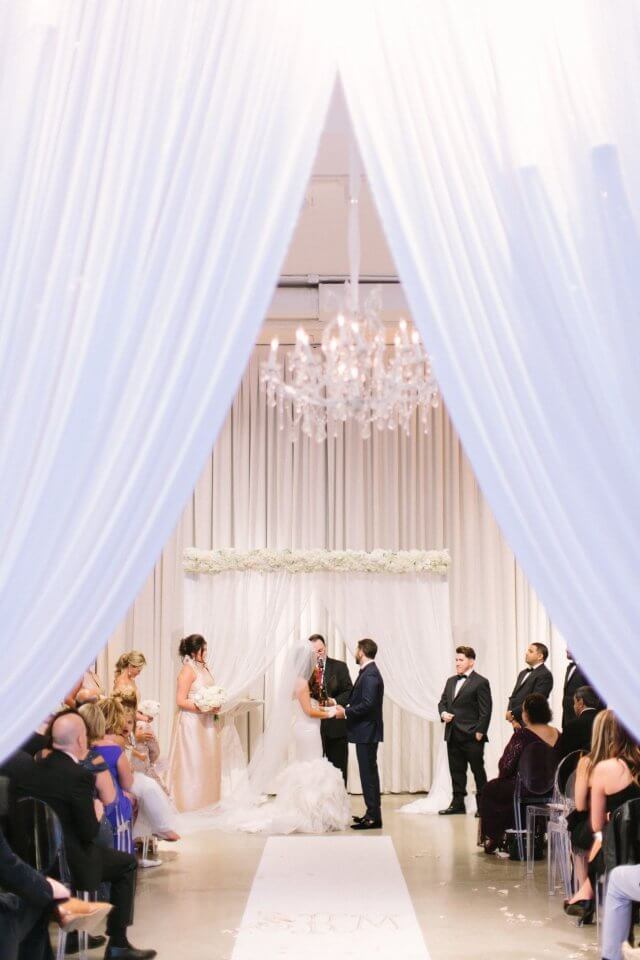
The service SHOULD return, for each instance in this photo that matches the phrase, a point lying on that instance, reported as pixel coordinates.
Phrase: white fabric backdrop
(251, 616)
(503, 148)
(259, 490)
(153, 159)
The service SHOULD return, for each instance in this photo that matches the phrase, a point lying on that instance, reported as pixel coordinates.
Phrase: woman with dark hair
(496, 801)
(195, 767)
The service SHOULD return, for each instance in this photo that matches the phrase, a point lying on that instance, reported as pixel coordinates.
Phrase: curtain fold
(154, 159)
(502, 149)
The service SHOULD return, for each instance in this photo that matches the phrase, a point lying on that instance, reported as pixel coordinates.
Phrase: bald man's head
(69, 733)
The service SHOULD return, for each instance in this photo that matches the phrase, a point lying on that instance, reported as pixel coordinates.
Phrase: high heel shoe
(582, 909)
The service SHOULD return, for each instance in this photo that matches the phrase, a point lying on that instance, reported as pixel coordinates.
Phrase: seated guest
(61, 782)
(496, 802)
(105, 790)
(576, 735)
(614, 780)
(29, 902)
(623, 890)
(579, 820)
(156, 815)
(535, 678)
(574, 678)
(111, 748)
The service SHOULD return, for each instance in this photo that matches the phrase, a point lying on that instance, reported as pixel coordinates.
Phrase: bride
(310, 796)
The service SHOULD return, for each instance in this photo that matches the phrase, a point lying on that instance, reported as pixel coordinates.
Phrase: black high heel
(582, 909)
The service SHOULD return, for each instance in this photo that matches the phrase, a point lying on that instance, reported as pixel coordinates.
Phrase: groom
(363, 714)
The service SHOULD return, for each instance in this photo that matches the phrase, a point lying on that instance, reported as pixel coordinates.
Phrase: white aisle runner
(320, 897)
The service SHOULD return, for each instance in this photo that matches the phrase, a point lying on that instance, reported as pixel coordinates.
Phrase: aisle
(319, 897)
(198, 905)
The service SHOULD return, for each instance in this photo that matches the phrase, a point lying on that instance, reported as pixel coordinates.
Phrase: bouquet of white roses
(149, 708)
(209, 698)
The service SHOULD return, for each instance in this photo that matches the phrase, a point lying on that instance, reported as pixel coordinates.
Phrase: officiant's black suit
(530, 680)
(472, 714)
(335, 745)
(365, 728)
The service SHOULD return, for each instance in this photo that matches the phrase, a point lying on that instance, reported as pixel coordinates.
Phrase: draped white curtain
(154, 156)
(258, 489)
(253, 615)
(502, 145)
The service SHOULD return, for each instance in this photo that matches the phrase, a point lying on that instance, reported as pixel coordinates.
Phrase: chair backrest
(622, 838)
(565, 780)
(537, 770)
(38, 837)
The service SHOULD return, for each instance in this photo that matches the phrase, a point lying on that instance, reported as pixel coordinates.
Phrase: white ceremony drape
(154, 157)
(253, 615)
(258, 489)
(502, 145)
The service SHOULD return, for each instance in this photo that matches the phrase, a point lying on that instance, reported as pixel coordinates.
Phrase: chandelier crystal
(352, 375)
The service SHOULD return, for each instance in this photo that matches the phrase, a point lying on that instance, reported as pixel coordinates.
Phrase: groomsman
(336, 682)
(535, 678)
(465, 709)
(574, 678)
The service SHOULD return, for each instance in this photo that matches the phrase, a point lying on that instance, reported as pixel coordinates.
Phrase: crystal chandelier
(353, 374)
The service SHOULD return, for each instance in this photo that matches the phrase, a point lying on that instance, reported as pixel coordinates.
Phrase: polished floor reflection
(467, 904)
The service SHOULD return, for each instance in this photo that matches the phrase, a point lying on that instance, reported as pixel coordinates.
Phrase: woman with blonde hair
(611, 775)
(128, 667)
(110, 748)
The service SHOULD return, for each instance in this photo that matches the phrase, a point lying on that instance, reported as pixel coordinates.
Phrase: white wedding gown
(310, 796)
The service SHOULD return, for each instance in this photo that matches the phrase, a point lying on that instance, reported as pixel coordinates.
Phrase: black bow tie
(529, 670)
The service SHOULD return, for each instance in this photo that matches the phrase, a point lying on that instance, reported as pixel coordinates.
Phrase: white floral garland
(313, 561)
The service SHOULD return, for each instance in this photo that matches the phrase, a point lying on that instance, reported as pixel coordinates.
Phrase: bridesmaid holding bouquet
(195, 759)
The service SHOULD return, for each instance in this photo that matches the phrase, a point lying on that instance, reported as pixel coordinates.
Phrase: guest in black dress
(496, 802)
(613, 780)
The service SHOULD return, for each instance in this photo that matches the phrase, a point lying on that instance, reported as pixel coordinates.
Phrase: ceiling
(319, 244)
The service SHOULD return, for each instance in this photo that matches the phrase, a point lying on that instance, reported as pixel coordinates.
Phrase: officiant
(333, 681)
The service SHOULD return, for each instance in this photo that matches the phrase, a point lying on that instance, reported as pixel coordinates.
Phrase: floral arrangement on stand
(312, 561)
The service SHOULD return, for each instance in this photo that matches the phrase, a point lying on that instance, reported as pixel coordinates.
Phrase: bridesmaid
(128, 667)
(195, 759)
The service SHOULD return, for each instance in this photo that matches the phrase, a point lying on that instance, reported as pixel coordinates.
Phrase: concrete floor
(467, 904)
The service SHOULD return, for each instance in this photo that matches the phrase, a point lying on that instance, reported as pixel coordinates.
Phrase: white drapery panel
(502, 146)
(154, 156)
(258, 489)
(252, 615)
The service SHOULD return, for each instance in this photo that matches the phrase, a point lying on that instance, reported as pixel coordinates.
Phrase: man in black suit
(465, 709)
(535, 678)
(576, 734)
(335, 683)
(574, 678)
(68, 788)
(28, 901)
(363, 714)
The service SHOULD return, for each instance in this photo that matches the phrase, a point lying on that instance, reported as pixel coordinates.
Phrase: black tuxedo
(24, 909)
(69, 789)
(577, 734)
(472, 714)
(334, 732)
(365, 729)
(571, 684)
(538, 680)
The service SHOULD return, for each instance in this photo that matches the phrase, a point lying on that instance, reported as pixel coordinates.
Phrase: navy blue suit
(24, 909)
(364, 728)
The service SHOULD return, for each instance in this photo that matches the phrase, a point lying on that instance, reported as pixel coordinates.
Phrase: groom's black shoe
(367, 824)
(453, 808)
(358, 819)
